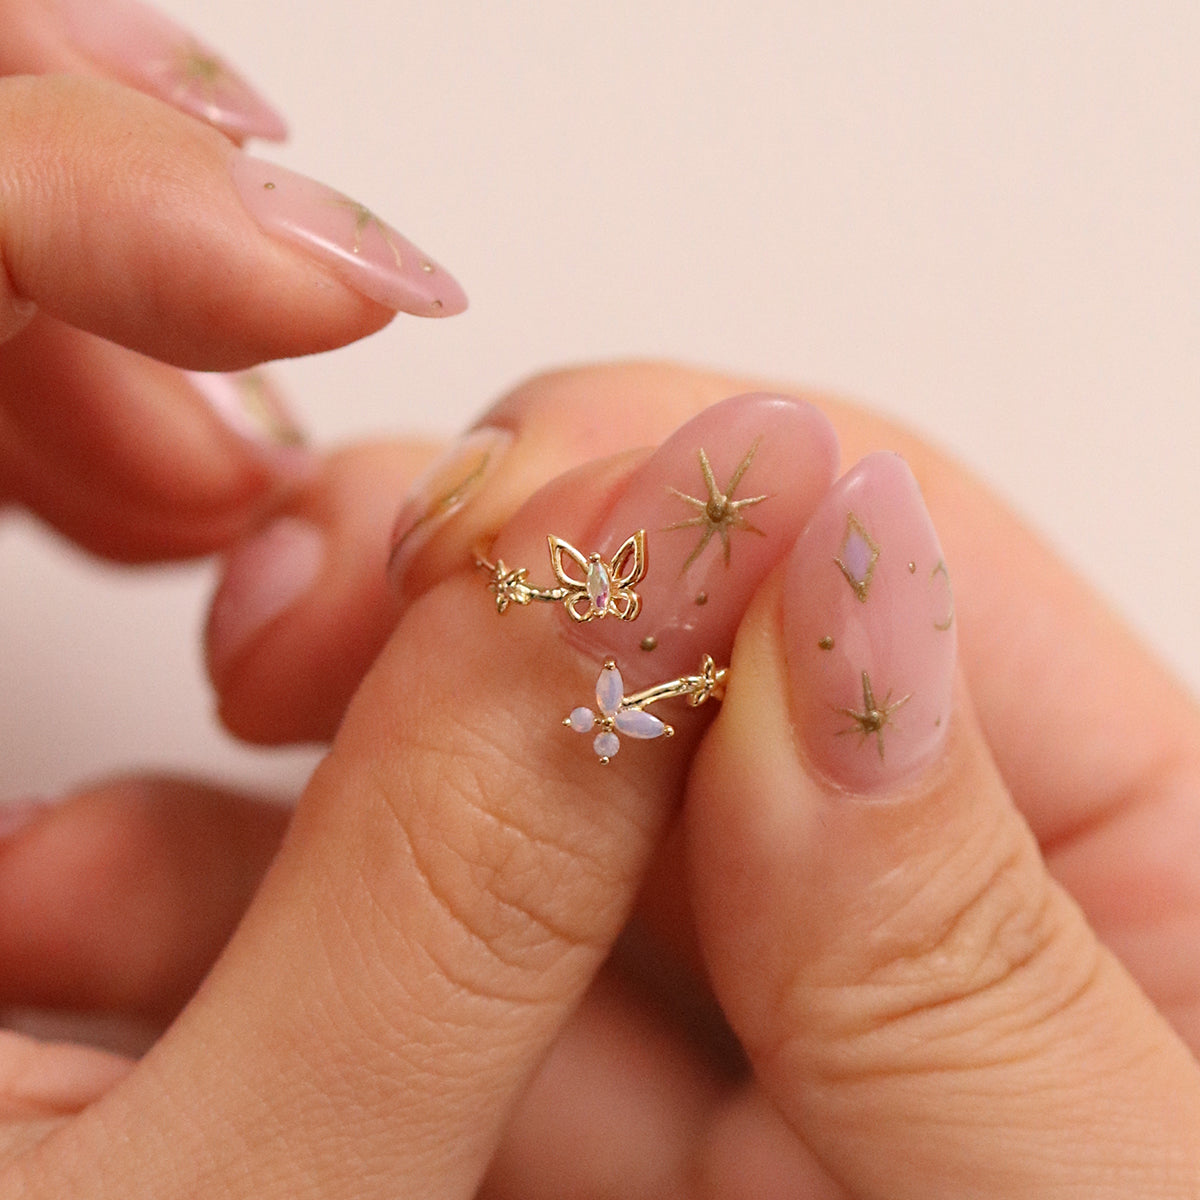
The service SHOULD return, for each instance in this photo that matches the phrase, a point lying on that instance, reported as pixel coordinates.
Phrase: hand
(926, 1011)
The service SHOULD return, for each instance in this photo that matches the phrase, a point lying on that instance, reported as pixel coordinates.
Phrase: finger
(47, 1079)
(459, 866)
(244, 263)
(303, 608)
(618, 1108)
(138, 46)
(288, 642)
(152, 463)
(118, 898)
(1106, 777)
(925, 1005)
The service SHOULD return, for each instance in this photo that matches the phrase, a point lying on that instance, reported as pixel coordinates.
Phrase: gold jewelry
(619, 713)
(601, 589)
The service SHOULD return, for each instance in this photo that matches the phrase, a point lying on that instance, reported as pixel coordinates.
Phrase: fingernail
(249, 403)
(722, 501)
(870, 631)
(364, 252)
(442, 490)
(263, 578)
(153, 54)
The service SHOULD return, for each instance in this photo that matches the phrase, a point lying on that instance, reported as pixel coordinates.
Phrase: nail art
(770, 454)
(869, 630)
(253, 407)
(365, 252)
(263, 578)
(152, 53)
(445, 488)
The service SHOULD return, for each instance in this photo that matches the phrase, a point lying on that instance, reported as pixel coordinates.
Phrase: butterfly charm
(598, 588)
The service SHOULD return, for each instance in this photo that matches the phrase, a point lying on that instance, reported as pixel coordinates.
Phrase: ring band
(601, 589)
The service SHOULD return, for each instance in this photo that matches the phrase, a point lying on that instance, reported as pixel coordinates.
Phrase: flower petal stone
(610, 691)
(582, 719)
(635, 723)
(606, 744)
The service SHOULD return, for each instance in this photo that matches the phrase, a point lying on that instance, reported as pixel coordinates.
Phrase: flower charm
(615, 716)
(509, 587)
(600, 589)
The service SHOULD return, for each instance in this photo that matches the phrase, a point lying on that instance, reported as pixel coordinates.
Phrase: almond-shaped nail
(151, 53)
(363, 251)
(870, 631)
(263, 578)
(722, 501)
(446, 486)
(250, 404)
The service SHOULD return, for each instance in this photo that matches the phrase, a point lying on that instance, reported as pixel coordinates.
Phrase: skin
(470, 965)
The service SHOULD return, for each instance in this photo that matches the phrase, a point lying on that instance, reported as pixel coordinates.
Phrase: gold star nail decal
(719, 513)
(365, 219)
(873, 717)
(857, 557)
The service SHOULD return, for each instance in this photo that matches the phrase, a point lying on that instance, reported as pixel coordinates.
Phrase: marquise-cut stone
(638, 724)
(599, 587)
(582, 719)
(606, 744)
(610, 691)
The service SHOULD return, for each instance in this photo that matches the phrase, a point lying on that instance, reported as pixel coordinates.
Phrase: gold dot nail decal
(649, 643)
(826, 643)
(940, 577)
(874, 717)
(857, 557)
(718, 513)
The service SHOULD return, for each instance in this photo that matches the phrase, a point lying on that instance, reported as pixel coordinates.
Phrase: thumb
(926, 1006)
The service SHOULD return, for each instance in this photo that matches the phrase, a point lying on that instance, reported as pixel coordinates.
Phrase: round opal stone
(606, 744)
(582, 719)
(638, 724)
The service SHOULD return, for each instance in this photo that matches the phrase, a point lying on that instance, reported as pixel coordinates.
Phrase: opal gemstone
(610, 691)
(606, 744)
(582, 719)
(638, 724)
(599, 587)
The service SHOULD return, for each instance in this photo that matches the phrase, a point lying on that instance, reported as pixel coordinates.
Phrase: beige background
(982, 218)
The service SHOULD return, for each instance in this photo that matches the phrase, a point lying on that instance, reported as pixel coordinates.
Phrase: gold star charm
(719, 512)
(874, 717)
(364, 219)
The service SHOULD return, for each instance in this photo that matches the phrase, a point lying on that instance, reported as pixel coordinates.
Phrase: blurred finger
(118, 898)
(136, 45)
(247, 262)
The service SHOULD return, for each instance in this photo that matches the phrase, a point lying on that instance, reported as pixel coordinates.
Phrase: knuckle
(970, 959)
(499, 875)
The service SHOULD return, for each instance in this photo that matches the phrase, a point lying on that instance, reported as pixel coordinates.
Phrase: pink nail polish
(150, 52)
(263, 578)
(364, 252)
(870, 632)
(250, 404)
(444, 489)
(721, 501)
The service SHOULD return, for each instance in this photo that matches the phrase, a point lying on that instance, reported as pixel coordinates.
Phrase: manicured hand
(956, 952)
